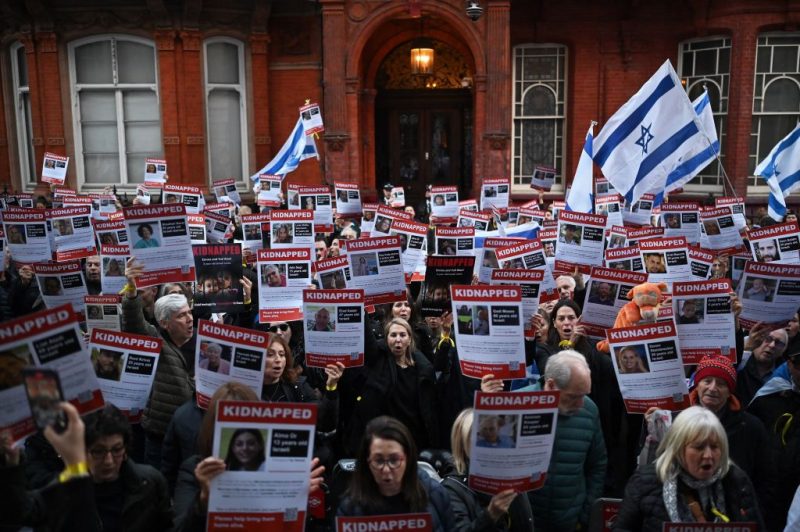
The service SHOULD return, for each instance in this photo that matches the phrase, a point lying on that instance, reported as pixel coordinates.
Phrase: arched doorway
(424, 123)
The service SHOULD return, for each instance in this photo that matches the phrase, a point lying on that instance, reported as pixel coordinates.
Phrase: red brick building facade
(213, 86)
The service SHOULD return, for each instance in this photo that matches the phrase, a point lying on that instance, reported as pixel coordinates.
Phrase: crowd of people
(406, 419)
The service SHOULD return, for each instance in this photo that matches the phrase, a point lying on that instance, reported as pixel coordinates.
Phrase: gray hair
(693, 424)
(568, 279)
(168, 306)
(216, 348)
(559, 367)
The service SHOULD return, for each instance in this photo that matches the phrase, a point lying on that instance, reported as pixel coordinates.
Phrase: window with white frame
(705, 64)
(117, 117)
(225, 108)
(22, 111)
(776, 97)
(540, 89)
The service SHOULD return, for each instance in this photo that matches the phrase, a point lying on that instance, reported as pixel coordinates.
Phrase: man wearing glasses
(777, 405)
(761, 353)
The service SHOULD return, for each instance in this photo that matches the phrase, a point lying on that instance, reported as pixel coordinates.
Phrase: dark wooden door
(421, 138)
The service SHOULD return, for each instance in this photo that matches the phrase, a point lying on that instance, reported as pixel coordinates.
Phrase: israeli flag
(649, 136)
(580, 197)
(781, 169)
(700, 157)
(294, 150)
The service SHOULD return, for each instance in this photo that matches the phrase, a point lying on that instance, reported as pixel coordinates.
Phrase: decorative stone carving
(165, 40)
(195, 140)
(191, 41)
(497, 141)
(335, 141)
(55, 141)
(172, 141)
(358, 11)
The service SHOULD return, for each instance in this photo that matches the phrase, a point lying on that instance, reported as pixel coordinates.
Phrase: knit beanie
(716, 366)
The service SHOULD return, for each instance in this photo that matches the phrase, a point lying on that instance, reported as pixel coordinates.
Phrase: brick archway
(349, 78)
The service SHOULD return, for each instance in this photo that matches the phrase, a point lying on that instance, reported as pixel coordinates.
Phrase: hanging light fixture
(422, 54)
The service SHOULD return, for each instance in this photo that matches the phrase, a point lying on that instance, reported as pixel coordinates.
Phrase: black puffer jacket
(643, 505)
(469, 509)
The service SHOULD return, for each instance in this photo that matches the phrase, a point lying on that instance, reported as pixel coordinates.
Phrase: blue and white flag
(581, 198)
(695, 161)
(294, 150)
(649, 136)
(781, 169)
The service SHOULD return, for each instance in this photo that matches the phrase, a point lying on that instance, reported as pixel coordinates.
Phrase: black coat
(643, 505)
(373, 385)
(469, 510)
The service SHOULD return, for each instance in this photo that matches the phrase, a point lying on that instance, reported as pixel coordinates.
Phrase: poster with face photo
(225, 190)
(219, 278)
(26, 235)
(54, 169)
(348, 198)
(61, 283)
(155, 173)
(269, 190)
(190, 196)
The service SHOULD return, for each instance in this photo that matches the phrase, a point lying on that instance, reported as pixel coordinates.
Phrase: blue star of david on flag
(645, 139)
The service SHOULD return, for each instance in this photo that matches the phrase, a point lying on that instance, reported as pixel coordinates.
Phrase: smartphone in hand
(43, 388)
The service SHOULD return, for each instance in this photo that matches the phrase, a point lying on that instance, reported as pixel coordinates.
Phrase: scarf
(710, 495)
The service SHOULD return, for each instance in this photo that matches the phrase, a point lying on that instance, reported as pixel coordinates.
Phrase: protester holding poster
(444, 204)
(719, 231)
(386, 475)
(512, 440)
(161, 243)
(452, 241)
(103, 312)
(220, 283)
(110, 233)
(54, 169)
(50, 338)
(495, 194)
(269, 193)
(606, 294)
(225, 190)
(649, 367)
(681, 218)
(666, 259)
(190, 196)
(112, 268)
(267, 451)
(292, 229)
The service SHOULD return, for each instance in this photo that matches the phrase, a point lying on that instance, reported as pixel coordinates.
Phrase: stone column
(168, 97)
(259, 50)
(336, 110)
(498, 90)
(192, 106)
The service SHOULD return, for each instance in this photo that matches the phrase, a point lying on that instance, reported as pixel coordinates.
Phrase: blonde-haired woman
(692, 481)
(397, 380)
(477, 512)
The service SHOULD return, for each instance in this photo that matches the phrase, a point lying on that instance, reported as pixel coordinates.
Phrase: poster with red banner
(681, 218)
(529, 255)
(488, 322)
(50, 339)
(60, 283)
(633, 236)
(625, 258)
(769, 293)
(72, 232)
(333, 321)
(348, 198)
(188, 195)
(103, 312)
(479, 220)
(530, 281)
(268, 489)
(283, 274)
(26, 235)
(159, 240)
(703, 314)
(376, 267)
(580, 238)
(736, 205)
(776, 243)
(649, 366)
(110, 232)
(316, 199)
(226, 353)
(416, 522)
(444, 204)
(700, 262)
(512, 440)
(292, 229)
(125, 365)
(606, 294)
(458, 241)
(413, 243)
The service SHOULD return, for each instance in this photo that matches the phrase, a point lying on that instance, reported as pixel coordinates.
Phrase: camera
(474, 9)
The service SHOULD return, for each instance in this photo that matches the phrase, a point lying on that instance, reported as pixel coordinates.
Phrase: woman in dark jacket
(387, 480)
(477, 512)
(693, 480)
(396, 380)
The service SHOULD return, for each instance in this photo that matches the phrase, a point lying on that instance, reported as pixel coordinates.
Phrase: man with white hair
(173, 384)
(577, 467)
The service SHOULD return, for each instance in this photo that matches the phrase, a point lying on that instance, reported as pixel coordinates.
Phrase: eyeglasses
(283, 327)
(780, 344)
(393, 462)
(99, 453)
